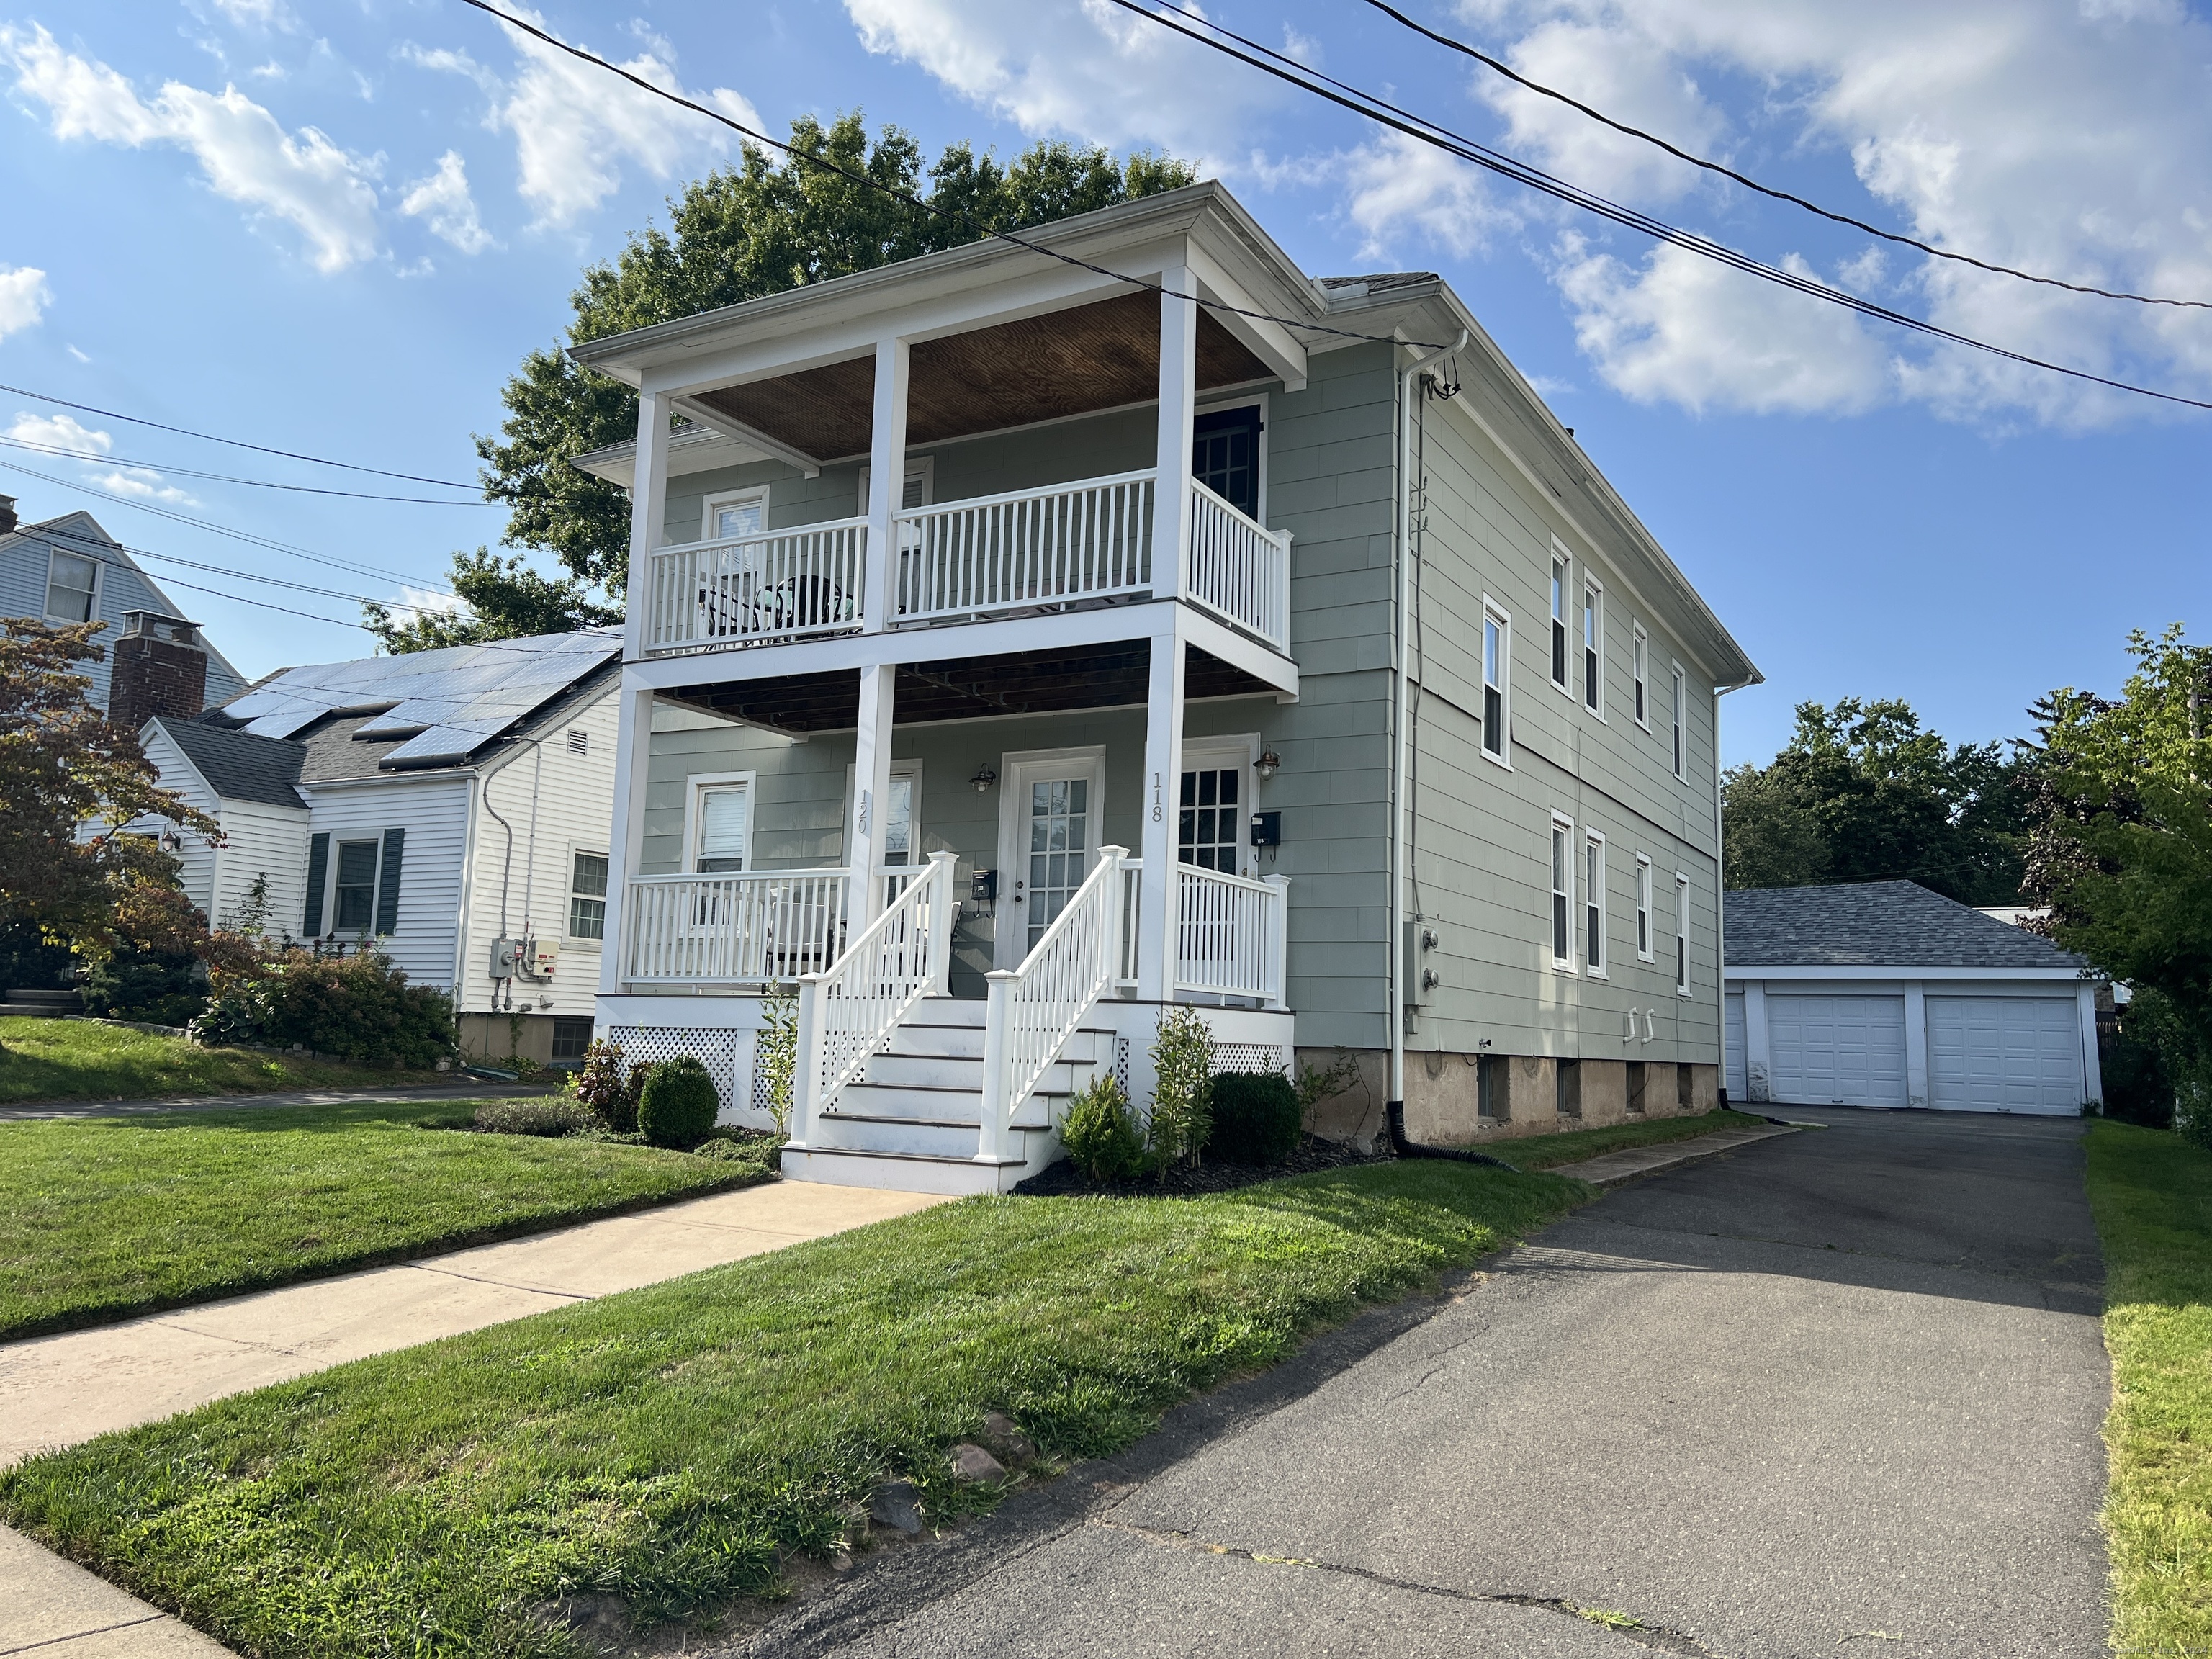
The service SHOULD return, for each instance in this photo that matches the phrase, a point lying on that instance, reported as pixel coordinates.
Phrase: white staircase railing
(760, 926)
(1089, 540)
(777, 586)
(1230, 934)
(1237, 568)
(848, 1009)
(1033, 1010)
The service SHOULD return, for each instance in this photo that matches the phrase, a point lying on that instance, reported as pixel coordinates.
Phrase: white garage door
(1837, 1051)
(2005, 1054)
(1732, 1032)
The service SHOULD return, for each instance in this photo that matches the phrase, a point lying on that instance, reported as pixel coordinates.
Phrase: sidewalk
(55, 1391)
(1634, 1163)
(38, 1109)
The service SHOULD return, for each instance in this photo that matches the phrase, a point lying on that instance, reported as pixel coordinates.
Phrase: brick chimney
(160, 668)
(7, 514)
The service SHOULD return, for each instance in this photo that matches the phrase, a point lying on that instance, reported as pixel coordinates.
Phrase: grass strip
(82, 1059)
(1550, 1151)
(104, 1217)
(2151, 1192)
(668, 1445)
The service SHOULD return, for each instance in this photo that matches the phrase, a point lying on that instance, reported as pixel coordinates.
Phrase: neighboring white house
(1883, 994)
(436, 803)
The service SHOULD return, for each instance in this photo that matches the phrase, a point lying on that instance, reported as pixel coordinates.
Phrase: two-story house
(1232, 638)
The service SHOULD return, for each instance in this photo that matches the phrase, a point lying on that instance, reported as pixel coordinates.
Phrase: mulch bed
(1064, 1180)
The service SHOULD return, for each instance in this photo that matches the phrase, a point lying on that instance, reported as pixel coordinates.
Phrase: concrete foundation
(1443, 1100)
(491, 1038)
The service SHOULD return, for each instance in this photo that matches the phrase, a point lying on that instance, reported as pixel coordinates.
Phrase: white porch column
(1163, 799)
(1178, 393)
(1916, 1043)
(1757, 1058)
(648, 516)
(632, 770)
(886, 482)
(872, 788)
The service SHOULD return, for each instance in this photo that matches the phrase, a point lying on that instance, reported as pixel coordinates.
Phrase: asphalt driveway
(1836, 1393)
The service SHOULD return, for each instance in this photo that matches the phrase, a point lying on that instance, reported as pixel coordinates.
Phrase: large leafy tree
(756, 228)
(506, 600)
(1863, 792)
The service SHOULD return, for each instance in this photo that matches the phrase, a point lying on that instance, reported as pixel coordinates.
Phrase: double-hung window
(1563, 893)
(356, 886)
(1681, 694)
(1497, 659)
(721, 828)
(587, 896)
(1594, 901)
(1640, 672)
(1681, 934)
(1559, 620)
(1644, 924)
(740, 513)
(1593, 647)
(72, 582)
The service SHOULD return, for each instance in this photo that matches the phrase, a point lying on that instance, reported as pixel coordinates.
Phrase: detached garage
(1883, 994)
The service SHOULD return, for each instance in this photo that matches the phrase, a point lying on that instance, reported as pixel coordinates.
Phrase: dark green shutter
(318, 869)
(387, 882)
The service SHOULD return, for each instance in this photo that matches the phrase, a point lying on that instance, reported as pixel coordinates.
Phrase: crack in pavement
(1657, 1637)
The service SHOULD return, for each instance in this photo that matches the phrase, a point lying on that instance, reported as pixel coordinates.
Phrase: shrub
(358, 1008)
(775, 1053)
(1100, 1133)
(601, 1089)
(1256, 1117)
(679, 1105)
(555, 1114)
(161, 988)
(1183, 1089)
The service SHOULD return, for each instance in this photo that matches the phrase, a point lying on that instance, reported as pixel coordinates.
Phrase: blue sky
(335, 227)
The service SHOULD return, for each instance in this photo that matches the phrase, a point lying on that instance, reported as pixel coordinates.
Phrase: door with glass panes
(1051, 816)
(1211, 827)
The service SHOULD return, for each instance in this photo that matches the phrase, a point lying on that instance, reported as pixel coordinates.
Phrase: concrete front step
(940, 1137)
(904, 1172)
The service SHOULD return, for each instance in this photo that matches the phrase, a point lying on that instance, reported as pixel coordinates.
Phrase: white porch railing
(1230, 934)
(1034, 1009)
(846, 1010)
(1237, 568)
(778, 585)
(1089, 540)
(757, 927)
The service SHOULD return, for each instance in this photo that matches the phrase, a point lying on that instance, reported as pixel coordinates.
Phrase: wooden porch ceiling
(1115, 676)
(1101, 356)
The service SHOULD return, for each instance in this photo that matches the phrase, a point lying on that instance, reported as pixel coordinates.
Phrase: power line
(224, 477)
(1603, 120)
(1467, 149)
(87, 542)
(235, 443)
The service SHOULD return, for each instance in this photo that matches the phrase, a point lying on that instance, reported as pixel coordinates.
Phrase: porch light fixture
(984, 777)
(1268, 764)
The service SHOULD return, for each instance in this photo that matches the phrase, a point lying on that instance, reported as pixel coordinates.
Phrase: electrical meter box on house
(540, 956)
(503, 952)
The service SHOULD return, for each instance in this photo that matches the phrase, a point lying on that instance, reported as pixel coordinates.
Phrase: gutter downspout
(1400, 609)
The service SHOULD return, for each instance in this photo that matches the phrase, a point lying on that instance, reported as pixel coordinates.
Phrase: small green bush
(1183, 1090)
(1100, 1133)
(1256, 1117)
(555, 1114)
(358, 1008)
(678, 1105)
(601, 1089)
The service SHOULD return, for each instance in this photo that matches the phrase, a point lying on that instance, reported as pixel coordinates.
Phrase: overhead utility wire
(223, 478)
(1603, 120)
(97, 546)
(1441, 137)
(235, 443)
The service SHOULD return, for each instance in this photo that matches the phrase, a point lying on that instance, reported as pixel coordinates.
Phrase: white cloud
(575, 127)
(24, 297)
(71, 438)
(325, 192)
(81, 356)
(1398, 185)
(443, 201)
(140, 483)
(257, 14)
(2059, 137)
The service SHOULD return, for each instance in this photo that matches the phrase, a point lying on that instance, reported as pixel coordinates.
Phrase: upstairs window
(587, 896)
(1593, 902)
(1639, 669)
(1643, 907)
(72, 582)
(1592, 641)
(1682, 690)
(1560, 621)
(1563, 895)
(741, 513)
(1497, 652)
(1224, 456)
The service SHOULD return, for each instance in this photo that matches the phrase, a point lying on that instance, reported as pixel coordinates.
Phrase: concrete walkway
(1634, 1163)
(55, 1391)
(42, 1109)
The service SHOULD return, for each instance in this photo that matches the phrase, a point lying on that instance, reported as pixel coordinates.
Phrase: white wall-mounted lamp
(1268, 764)
(984, 777)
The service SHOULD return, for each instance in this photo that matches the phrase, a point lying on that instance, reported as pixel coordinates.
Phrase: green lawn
(80, 1060)
(668, 1445)
(101, 1217)
(2152, 1193)
(1549, 1151)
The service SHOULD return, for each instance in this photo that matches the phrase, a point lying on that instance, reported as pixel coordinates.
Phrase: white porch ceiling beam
(775, 448)
(1271, 343)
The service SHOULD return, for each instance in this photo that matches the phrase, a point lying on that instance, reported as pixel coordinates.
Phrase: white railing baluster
(1230, 934)
(1052, 546)
(779, 585)
(757, 927)
(1238, 568)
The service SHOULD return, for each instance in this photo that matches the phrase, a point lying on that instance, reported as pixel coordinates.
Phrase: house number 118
(1159, 809)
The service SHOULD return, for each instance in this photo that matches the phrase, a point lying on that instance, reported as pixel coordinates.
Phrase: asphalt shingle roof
(1875, 924)
(238, 765)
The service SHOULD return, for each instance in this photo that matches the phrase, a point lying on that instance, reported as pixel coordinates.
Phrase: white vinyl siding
(435, 815)
(1998, 1053)
(1837, 1050)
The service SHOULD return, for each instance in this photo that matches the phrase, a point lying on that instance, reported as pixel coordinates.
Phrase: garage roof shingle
(1875, 924)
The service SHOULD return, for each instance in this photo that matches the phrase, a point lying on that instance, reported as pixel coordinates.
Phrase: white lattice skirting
(1250, 1057)
(727, 1056)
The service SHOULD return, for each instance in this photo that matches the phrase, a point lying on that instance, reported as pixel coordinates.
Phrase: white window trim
(98, 582)
(581, 941)
(1682, 932)
(1596, 897)
(1639, 673)
(693, 787)
(1561, 825)
(1563, 568)
(1494, 611)
(722, 498)
(1255, 400)
(917, 466)
(1593, 643)
(1678, 732)
(1647, 924)
(358, 836)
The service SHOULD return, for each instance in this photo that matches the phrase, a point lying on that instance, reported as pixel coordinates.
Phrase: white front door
(1049, 827)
